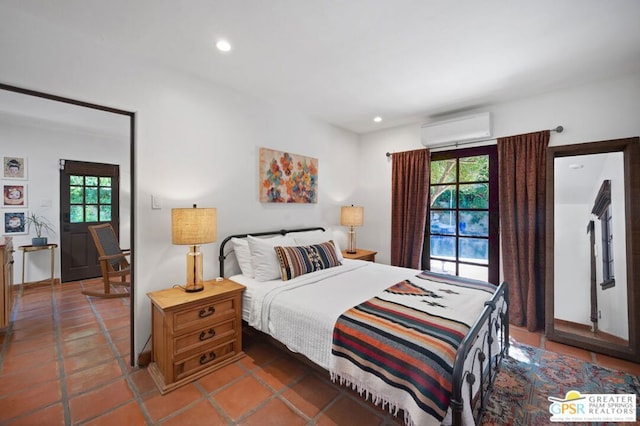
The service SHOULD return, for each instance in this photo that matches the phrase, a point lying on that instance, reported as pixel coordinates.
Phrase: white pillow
(316, 237)
(243, 255)
(264, 260)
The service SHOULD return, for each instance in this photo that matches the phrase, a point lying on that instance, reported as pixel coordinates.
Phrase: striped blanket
(398, 348)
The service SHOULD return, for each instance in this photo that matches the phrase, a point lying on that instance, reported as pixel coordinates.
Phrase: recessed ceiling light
(223, 45)
(377, 119)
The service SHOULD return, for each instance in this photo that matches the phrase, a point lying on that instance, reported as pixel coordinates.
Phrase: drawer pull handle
(206, 312)
(204, 358)
(206, 335)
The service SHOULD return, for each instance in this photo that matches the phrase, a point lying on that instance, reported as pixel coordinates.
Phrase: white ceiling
(346, 61)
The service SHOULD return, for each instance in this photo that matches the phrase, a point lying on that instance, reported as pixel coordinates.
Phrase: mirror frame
(630, 147)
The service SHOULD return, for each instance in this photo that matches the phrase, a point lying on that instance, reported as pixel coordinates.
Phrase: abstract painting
(287, 178)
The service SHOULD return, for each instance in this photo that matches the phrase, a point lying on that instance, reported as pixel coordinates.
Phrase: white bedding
(302, 315)
(303, 319)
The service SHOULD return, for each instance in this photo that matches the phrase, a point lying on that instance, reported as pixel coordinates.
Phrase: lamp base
(194, 288)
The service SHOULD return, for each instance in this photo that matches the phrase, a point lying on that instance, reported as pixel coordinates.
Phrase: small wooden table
(29, 249)
(361, 254)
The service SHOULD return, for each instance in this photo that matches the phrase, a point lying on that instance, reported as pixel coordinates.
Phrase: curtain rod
(558, 129)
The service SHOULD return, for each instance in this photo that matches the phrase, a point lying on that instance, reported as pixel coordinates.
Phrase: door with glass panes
(463, 217)
(89, 195)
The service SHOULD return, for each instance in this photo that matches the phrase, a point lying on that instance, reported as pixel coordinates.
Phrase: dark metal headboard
(223, 255)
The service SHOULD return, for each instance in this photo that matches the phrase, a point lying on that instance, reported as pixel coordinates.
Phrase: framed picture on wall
(14, 167)
(287, 177)
(15, 223)
(14, 195)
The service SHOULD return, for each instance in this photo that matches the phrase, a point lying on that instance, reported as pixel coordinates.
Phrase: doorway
(89, 195)
(25, 104)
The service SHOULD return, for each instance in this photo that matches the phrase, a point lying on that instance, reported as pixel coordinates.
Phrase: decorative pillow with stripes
(300, 260)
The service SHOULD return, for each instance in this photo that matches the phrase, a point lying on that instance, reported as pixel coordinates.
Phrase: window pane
(77, 214)
(105, 181)
(443, 196)
(105, 195)
(474, 169)
(474, 272)
(474, 224)
(76, 180)
(91, 195)
(443, 247)
(443, 267)
(443, 171)
(474, 196)
(474, 250)
(443, 222)
(91, 213)
(91, 181)
(75, 195)
(105, 213)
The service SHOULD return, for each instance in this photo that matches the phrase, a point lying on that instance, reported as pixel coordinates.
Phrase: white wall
(196, 143)
(599, 111)
(43, 144)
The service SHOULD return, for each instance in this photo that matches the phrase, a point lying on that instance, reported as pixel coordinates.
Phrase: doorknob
(66, 218)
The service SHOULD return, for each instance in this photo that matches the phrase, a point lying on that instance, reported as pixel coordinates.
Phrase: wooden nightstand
(361, 255)
(194, 333)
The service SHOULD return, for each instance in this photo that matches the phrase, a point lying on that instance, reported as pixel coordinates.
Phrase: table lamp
(192, 227)
(351, 216)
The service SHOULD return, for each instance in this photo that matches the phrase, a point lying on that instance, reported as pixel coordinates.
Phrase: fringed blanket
(399, 347)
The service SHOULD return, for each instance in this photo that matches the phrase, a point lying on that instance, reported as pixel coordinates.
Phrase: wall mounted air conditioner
(462, 129)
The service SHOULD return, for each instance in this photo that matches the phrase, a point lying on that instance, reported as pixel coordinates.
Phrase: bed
(427, 344)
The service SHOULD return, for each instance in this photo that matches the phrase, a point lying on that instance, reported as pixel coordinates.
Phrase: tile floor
(65, 360)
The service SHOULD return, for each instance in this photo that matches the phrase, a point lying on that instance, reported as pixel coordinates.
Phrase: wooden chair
(113, 261)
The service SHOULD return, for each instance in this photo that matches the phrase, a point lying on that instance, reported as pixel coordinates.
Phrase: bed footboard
(486, 344)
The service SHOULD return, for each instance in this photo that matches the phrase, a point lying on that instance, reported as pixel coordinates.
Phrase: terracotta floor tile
(49, 416)
(127, 415)
(522, 335)
(99, 401)
(618, 364)
(568, 350)
(71, 333)
(347, 411)
(241, 397)
(22, 347)
(274, 413)
(282, 371)
(258, 354)
(93, 377)
(222, 377)
(24, 379)
(83, 344)
(29, 400)
(121, 333)
(142, 381)
(160, 406)
(311, 394)
(38, 357)
(203, 413)
(114, 323)
(87, 359)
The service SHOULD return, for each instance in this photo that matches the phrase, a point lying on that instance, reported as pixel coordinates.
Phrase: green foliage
(471, 169)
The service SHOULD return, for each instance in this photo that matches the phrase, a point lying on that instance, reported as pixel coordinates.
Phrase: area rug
(530, 376)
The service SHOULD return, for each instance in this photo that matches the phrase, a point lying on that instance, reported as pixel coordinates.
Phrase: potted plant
(41, 224)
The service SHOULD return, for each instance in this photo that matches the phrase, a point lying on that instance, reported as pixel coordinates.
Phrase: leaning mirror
(593, 237)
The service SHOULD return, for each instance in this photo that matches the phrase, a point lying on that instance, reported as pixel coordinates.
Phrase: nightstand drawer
(208, 336)
(203, 359)
(203, 315)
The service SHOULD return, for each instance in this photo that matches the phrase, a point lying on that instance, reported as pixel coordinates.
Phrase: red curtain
(410, 189)
(522, 163)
